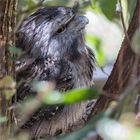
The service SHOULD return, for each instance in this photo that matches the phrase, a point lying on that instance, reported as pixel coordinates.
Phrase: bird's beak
(75, 9)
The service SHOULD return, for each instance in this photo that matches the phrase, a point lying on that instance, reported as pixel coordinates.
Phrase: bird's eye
(62, 29)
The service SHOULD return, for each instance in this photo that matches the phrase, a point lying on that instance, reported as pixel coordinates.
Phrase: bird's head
(53, 32)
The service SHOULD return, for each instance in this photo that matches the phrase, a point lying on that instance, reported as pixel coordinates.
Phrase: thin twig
(123, 23)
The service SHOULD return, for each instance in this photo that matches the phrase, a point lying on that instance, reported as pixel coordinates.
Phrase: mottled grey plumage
(53, 40)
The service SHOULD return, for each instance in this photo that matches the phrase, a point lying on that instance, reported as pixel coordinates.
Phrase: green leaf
(31, 3)
(15, 50)
(78, 95)
(135, 43)
(70, 97)
(95, 43)
(8, 86)
(47, 95)
(108, 7)
(131, 7)
(3, 119)
(53, 98)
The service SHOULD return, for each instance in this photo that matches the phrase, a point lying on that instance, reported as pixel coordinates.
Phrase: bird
(53, 42)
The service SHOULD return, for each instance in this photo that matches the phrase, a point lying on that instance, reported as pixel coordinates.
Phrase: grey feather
(53, 38)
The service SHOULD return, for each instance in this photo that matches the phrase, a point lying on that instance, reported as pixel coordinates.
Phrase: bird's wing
(30, 69)
(22, 64)
(57, 71)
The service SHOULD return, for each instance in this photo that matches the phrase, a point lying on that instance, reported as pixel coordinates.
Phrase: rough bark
(7, 39)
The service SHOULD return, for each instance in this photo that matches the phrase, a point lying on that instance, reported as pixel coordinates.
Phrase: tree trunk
(7, 40)
(126, 69)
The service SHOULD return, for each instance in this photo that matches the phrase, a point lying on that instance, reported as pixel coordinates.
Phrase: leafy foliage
(51, 97)
(8, 85)
(107, 7)
(95, 44)
(71, 97)
(131, 7)
(135, 42)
